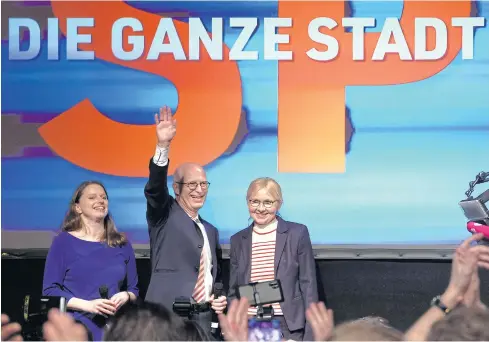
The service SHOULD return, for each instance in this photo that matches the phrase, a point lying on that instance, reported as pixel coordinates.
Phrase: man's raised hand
(166, 126)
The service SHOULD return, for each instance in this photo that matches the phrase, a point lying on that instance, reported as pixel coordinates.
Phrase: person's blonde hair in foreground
(366, 329)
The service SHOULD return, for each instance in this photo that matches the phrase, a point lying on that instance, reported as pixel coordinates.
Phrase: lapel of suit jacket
(247, 239)
(208, 230)
(280, 242)
(212, 246)
(191, 228)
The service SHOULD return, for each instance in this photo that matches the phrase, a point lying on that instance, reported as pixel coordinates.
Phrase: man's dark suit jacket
(176, 242)
(294, 266)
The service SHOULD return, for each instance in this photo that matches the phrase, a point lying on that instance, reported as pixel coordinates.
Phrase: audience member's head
(150, 322)
(462, 324)
(366, 329)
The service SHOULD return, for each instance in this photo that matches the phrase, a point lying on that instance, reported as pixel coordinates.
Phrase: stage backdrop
(411, 146)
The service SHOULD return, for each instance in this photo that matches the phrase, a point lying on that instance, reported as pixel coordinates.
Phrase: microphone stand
(482, 177)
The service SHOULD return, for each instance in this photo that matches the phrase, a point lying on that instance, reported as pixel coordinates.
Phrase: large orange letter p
(311, 132)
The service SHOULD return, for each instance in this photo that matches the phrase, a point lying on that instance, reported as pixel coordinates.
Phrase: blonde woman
(272, 248)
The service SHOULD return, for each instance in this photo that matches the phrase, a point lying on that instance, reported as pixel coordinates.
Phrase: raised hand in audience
(61, 327)
(464, 265)
(234, 325)
(10, 331)
(481, 251)
(321, 320)
(461, 287)
(472, 297)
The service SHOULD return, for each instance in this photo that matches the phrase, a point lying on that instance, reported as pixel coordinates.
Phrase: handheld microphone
(218, 292)
(104, 292)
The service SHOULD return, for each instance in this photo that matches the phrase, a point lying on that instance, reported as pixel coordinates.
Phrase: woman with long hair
(90, 263)
(272, 248)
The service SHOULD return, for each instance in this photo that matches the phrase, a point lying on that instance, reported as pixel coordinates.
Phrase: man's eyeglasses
(266, 204)
(193, 185)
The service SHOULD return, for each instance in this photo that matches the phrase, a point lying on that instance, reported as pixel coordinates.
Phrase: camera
(35, 314)
(260, 294)
(475, 209)
(263, 327)
(186, 307)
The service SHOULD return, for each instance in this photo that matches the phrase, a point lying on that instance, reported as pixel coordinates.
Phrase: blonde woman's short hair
(268, 183)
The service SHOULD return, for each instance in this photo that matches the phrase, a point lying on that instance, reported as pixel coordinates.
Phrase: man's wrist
(160, 157)
(164, 144)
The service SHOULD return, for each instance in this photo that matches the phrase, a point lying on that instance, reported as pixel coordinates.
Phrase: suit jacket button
(196, 268)
(199, 246)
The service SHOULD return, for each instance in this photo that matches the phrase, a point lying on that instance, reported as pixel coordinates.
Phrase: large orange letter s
(209, 101)
(313, 93)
